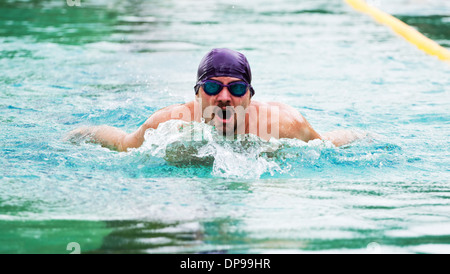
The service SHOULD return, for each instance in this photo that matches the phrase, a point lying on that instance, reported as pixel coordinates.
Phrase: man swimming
(223, 99)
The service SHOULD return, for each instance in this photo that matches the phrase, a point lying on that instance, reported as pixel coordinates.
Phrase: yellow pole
(410, 34)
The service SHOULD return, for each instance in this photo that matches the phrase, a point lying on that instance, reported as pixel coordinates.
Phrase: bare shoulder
(183, 112)
(282, 108)
(281, 112)
(291, 122)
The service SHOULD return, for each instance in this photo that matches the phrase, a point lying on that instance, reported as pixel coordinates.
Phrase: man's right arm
(117, 139)
(110, 137)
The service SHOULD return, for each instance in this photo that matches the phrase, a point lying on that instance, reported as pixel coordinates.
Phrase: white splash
(182, 143)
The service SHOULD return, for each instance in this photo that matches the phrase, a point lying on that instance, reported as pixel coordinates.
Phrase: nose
(224, 96)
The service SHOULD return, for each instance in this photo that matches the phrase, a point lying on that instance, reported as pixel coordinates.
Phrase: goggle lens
(236, 89)
(212, 88)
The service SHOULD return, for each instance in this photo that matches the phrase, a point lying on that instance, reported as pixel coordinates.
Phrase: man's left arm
(299, 128)
(294, 125)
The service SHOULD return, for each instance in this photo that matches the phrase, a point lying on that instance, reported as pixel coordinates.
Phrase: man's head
(224, 88)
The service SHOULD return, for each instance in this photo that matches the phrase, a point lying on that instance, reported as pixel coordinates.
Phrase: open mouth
(225, 115)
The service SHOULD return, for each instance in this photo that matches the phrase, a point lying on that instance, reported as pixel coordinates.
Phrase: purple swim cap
(224, 62)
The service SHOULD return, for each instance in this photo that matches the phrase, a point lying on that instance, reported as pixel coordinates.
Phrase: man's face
(224, 111)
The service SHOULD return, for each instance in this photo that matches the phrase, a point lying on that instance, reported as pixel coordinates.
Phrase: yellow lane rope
(410, 34)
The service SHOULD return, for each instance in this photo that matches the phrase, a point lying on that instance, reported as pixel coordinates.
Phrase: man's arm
(337, 137)
(117, 139)
(110, 137)
(343, 136)
(296, 126)
(107, 136)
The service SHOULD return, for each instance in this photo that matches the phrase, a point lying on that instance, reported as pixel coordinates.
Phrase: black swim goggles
(212, 87)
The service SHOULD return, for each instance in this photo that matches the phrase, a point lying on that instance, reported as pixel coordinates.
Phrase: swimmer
(224, 99)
